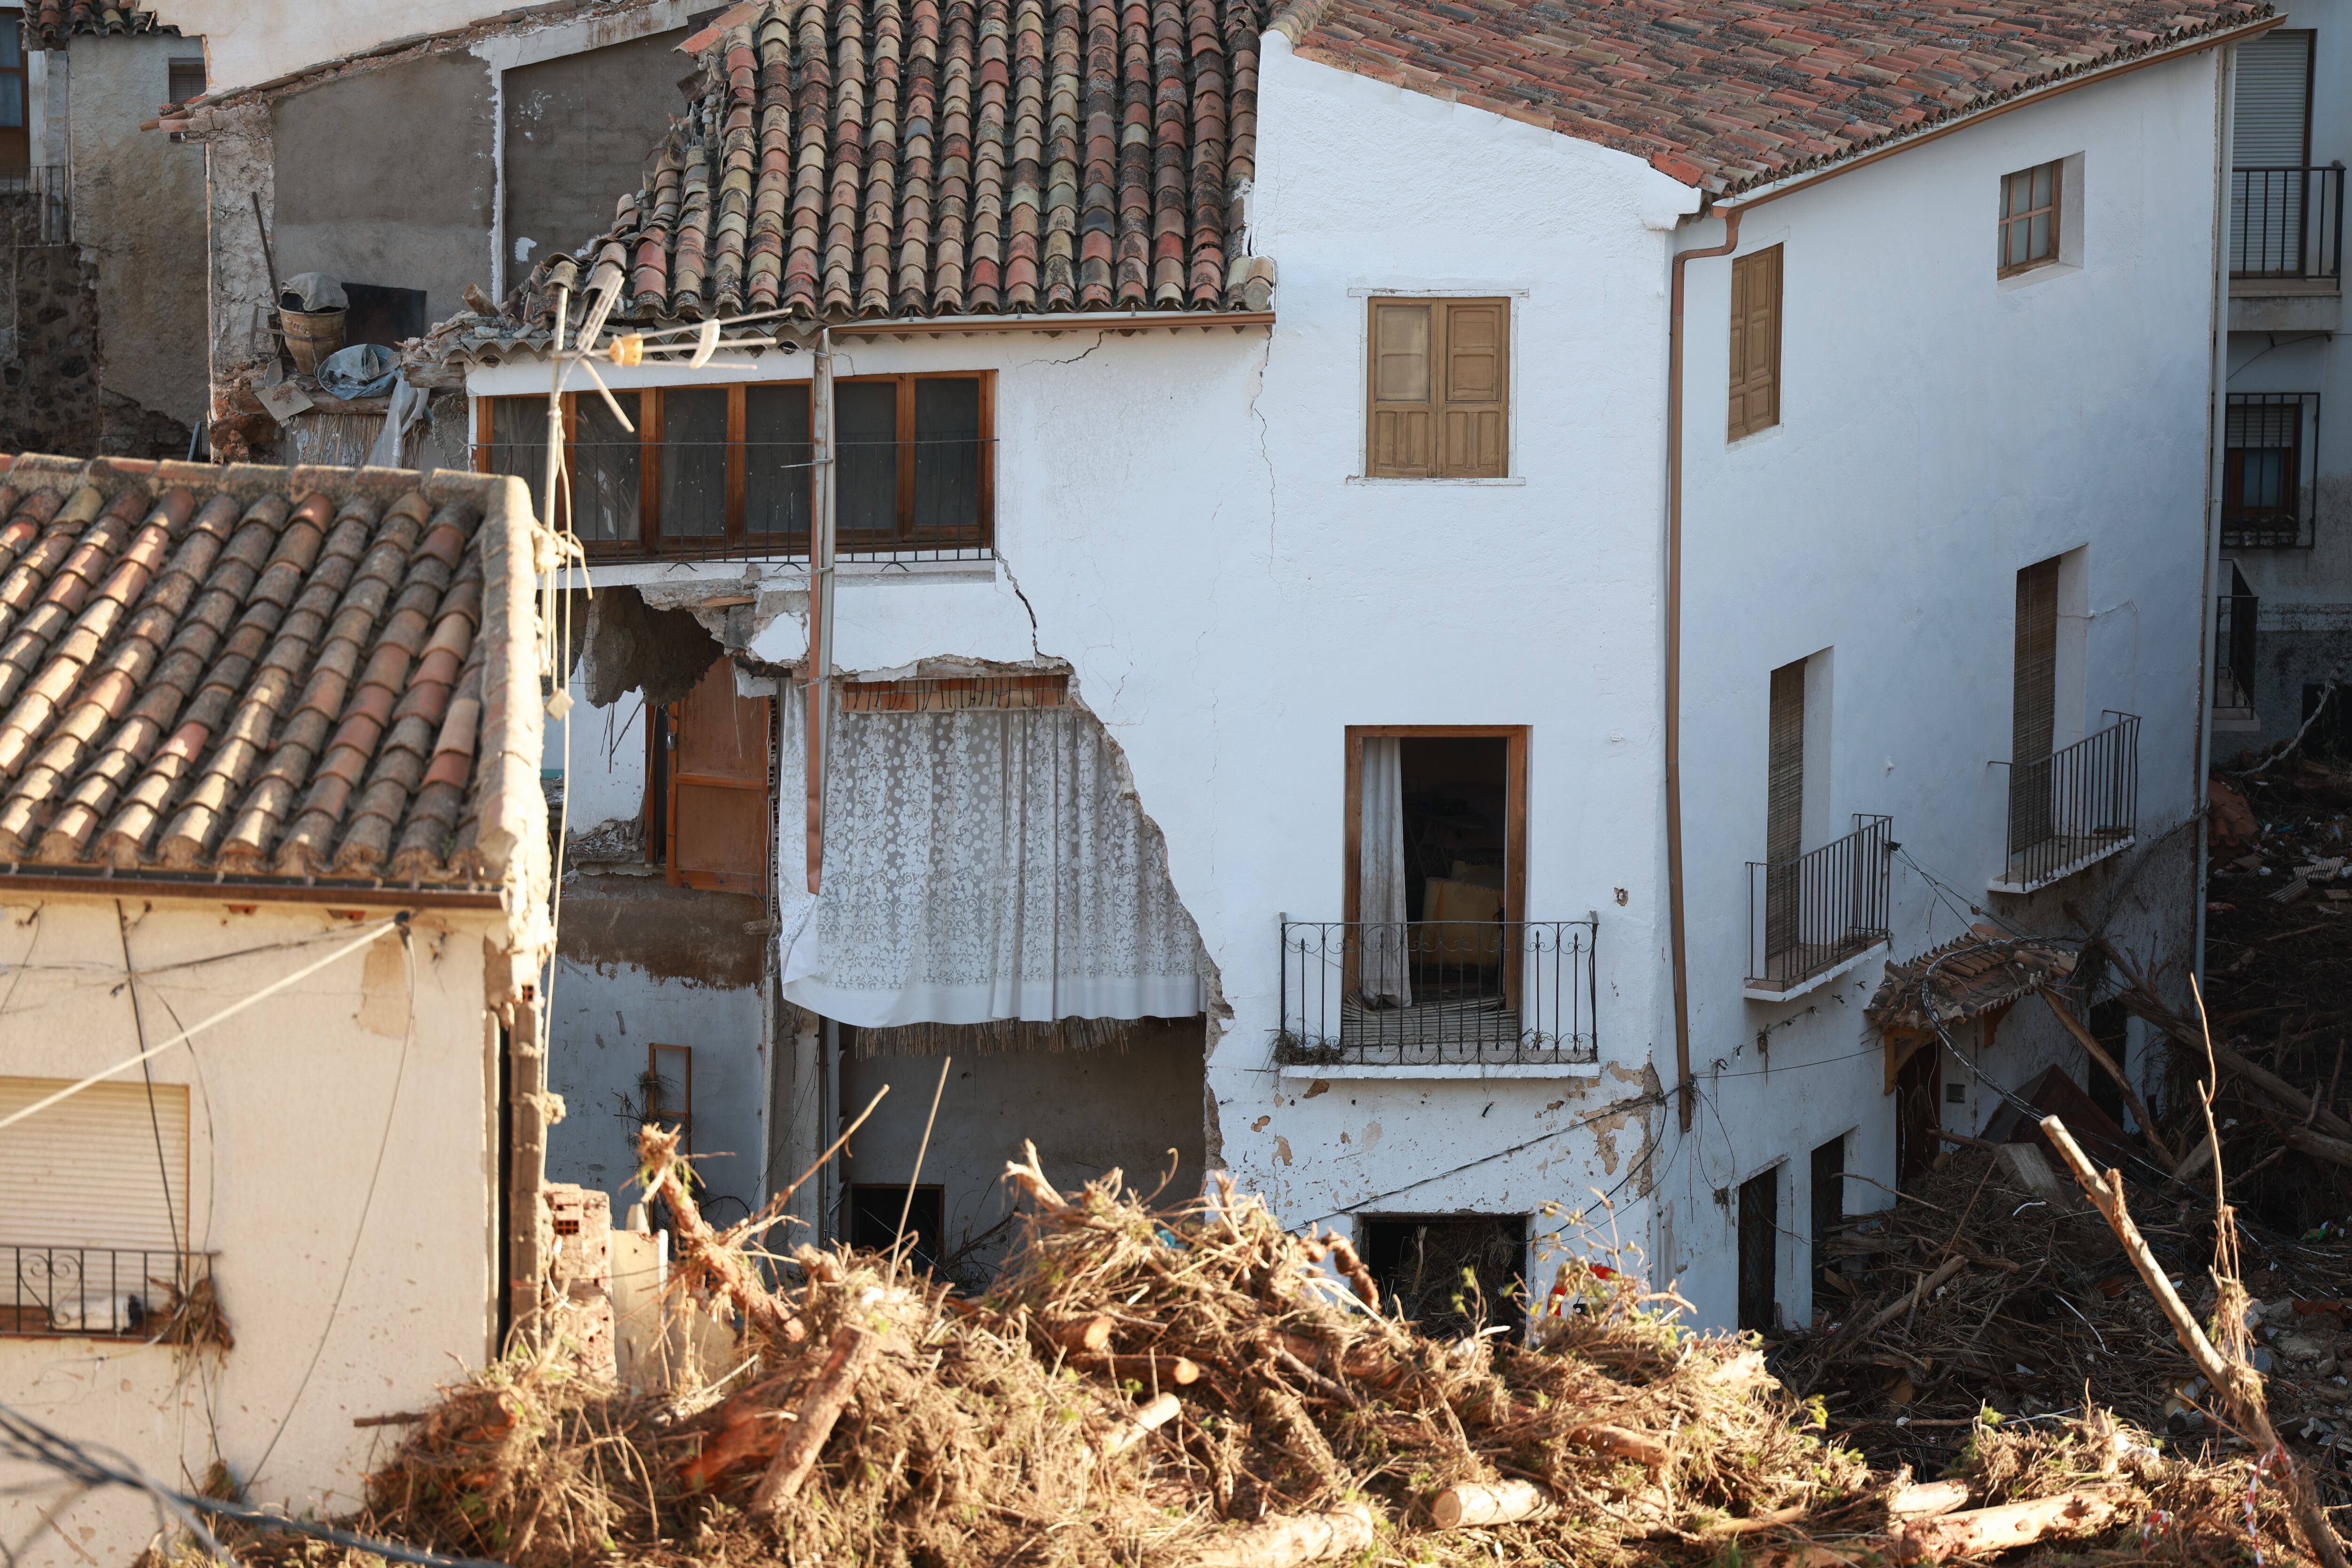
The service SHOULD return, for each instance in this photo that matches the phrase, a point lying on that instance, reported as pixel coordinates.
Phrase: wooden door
(1918, 1111)
(718, 816)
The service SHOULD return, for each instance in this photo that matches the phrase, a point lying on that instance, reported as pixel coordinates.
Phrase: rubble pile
(1198, 1387)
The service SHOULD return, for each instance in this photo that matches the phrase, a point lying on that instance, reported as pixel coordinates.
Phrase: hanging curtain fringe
(1003, 1037)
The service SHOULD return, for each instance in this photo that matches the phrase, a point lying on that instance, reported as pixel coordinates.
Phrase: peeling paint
(1282, 1149)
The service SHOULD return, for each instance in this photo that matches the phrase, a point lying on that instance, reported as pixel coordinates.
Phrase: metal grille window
(2269, 466)
(725, 471)
(2029, 218)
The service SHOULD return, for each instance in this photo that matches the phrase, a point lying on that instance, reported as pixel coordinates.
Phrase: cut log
(1141, 1421)
(1468, 1506)
(1986, 1532)
(1928, 1499)
(1089, 1335)
(1280, 1540)
(747, 1436)
(1638, 1447)
(1919, 1293)
(1151, 1371)
(2318, 1146)
(851, 1348)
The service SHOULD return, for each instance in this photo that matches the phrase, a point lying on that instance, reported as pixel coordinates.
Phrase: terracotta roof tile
(1733, 93)
(197, 664)
(871, 158)
(49, 23)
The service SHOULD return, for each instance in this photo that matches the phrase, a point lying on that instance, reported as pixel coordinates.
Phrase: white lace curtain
(981, 865)
(1380, 875)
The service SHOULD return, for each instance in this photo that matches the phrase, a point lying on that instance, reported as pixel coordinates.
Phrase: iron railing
(1813, 911)
(2233, 652)
(2286, 223)
(120, 1291)
(2073, 806)
(2269, 470)
(37, 202)
(1433, 992)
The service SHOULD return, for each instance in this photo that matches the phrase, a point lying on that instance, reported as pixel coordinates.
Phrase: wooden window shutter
(718, 807)
(1473, 412)
(1754, 342)
(1784, 818)
(2033, 716)
(1400, 442)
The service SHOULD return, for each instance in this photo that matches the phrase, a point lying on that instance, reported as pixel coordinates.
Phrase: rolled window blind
(86, 1172)
(2273, 125)
(1784, 824)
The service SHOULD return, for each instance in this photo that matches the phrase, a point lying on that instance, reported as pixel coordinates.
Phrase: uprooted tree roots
(1198, 1386)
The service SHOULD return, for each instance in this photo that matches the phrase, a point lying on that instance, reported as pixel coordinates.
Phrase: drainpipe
(821, 535)
(1685, 1087)
(2225, 85)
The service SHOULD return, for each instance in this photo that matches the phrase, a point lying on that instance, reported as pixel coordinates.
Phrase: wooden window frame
(1740, 417)
(736, 540)
(664, 733)
(1515, 804)
(1440, 306)
(2008, 221)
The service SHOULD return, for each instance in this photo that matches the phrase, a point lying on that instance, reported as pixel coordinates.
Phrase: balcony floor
(2078, 852)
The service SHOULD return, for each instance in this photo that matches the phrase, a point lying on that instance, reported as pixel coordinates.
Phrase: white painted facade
(340, 1168)
(1185, 517)
(2286, 337)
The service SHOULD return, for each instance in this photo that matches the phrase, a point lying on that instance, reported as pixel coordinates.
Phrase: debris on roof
(1967, 978)
(1729, 94)
(259, 673)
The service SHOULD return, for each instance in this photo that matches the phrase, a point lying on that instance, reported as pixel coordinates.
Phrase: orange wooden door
(718, 787)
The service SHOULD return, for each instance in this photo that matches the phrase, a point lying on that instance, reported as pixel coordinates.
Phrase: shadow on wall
(1136, 1109)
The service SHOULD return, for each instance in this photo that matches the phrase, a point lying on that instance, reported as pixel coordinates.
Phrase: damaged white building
(1422, 603)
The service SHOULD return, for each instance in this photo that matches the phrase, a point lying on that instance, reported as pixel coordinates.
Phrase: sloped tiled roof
(1968, 977)
(49, 23)
(259, 673)
(846, 158)
(1725, 94)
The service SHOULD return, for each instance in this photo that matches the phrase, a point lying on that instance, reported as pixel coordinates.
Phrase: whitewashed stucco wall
(1941, 428)
(1182, 516)
(292, 1105)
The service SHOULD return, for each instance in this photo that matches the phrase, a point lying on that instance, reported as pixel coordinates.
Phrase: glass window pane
(519, 445)
(604, 470)
(12, 40)
(2012, 197)
(866, 454)
(2042, 186)
(776, 456)
(948, 454)
(2038, 248)
(2016, 244)
(694, 463)
(12, 97)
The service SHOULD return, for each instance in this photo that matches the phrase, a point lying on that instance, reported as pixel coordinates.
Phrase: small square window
(186, 81)
(2029, 218)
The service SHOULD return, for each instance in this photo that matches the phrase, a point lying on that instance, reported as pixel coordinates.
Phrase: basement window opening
(1451, 1275)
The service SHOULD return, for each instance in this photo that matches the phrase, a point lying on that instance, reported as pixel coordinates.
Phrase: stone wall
(48, 374)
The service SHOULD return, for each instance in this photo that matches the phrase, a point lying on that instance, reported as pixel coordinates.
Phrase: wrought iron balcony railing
(122, 1292)
(1810, 914)
(1438, 993)
(2287, 222)
(2073, 808)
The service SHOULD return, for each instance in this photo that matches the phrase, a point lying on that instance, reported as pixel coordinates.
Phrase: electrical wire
(28, 1441)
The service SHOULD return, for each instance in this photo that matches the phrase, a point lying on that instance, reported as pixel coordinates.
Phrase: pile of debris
(1199, 1386)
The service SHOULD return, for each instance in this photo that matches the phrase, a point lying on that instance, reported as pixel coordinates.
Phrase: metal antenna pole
(555, 408)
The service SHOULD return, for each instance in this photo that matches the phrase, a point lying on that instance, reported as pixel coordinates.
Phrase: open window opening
(1437, 871)
(1451, 1274)
(1760, 1251)
(1828, 1193)
(874, 1210)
